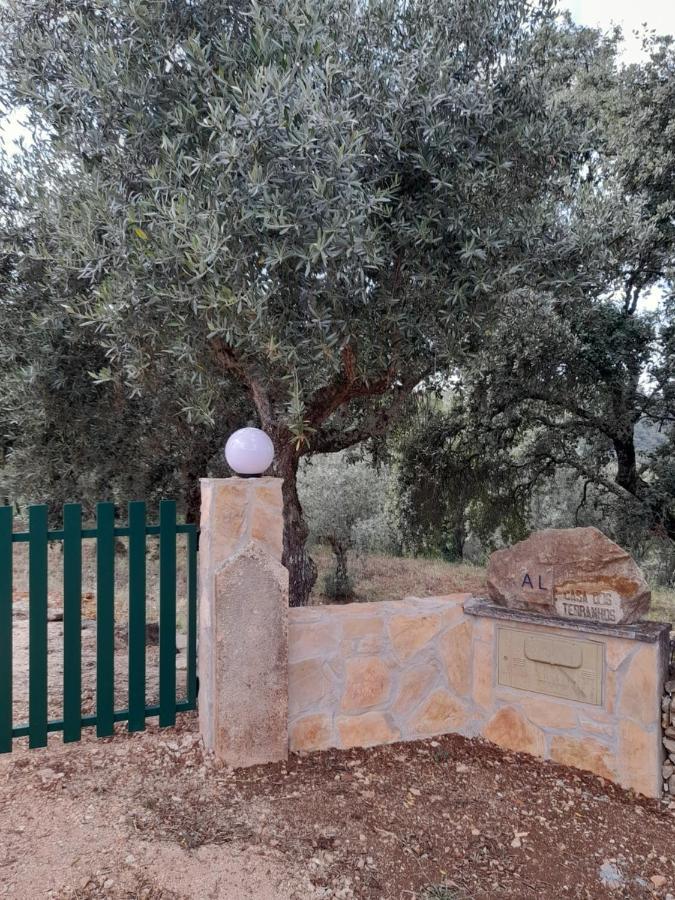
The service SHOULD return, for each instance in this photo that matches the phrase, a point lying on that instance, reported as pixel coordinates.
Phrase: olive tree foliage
(345, 502)
(67, 434)
(316, 198)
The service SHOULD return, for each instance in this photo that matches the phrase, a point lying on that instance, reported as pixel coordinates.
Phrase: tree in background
(448, 486)
(568, 398)
(571, 377)
(345, 504)
(567, 392)
(319, 200)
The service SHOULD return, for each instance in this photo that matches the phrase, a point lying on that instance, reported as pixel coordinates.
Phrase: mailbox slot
(548, 664)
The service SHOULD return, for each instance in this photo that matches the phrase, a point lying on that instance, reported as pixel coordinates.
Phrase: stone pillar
(243, 621)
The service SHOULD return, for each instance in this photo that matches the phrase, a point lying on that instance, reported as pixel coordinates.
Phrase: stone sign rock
(572, 573)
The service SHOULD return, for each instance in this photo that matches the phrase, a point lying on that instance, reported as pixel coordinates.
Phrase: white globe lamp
(249, 452)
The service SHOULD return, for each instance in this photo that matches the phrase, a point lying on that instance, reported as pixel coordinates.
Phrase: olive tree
(317, 198)
(341, 497)
(69, 430)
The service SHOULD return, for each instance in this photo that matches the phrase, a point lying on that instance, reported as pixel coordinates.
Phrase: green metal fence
(105, 535)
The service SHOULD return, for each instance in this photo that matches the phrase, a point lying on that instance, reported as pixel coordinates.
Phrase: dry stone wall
(362, 674)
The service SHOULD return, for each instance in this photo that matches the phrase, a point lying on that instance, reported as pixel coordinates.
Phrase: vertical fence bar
(37, 626)
(72, 622)
(105, 619)
(137, 616)
(192, 616)
(5, 629)
(167, 612)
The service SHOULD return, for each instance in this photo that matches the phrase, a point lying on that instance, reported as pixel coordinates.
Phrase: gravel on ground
(150, 816)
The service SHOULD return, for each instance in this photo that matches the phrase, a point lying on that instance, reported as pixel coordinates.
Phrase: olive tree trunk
(343, 584)
(301, 567)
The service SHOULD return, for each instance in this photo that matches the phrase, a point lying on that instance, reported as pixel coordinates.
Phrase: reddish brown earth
(147, 816)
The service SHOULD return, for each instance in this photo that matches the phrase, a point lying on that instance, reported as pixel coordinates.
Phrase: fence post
(243, 621)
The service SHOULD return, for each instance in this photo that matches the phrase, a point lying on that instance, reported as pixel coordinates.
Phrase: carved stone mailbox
(562, 663)
(548, 664)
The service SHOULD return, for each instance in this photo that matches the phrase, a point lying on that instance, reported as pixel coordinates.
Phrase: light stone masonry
(243, 622)
(362, 674)
(583, 694)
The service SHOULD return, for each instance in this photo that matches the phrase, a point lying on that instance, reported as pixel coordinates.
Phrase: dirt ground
(149, 816)
(379, 577)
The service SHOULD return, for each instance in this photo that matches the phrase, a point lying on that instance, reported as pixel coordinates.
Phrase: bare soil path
(149, 816)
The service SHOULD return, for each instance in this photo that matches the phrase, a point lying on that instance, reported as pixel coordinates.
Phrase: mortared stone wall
(362, 674)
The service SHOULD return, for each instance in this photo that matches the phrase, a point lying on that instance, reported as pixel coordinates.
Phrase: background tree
(317, 198)
(559, 396)
(569, 378)
(448, 486)
(342, 498)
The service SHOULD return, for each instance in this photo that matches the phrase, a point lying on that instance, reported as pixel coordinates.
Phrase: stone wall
(369, 673)
(668, 724)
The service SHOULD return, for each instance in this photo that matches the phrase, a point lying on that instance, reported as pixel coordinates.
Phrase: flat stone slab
(251, 659)
(570, 573)
(647, 632)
